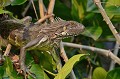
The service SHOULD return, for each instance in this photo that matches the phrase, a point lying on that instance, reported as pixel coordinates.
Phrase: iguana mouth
(67, 36)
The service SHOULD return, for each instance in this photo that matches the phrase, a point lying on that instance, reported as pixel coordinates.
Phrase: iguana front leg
(32, 43)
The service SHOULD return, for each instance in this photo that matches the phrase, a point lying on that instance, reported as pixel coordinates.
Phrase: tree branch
(43, 19)
(104, 52)
(41, 8)
(65, 58)
(51, 8)
(107, 20)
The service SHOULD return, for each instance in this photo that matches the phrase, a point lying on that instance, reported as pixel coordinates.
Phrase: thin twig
(62, 52)
(116, 49)
(107, 20)
(41, 8)
(43, 19)
(34, 9)
(26, 8)
(51, 8)
(7, 51)
(64, 56)
(103, 52)
(90, 73)
(72, 75)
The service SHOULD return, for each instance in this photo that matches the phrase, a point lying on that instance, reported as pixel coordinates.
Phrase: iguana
(43, 37)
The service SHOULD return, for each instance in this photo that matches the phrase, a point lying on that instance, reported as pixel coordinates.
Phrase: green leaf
(10, 70)
(29, 59)
(1, 71)
(91, 6)
(61, 10)
(112, 8)
(4, 3)
(9, 67)
(39, 73)
(114, 74)
(68, 66)
(113, 11)
(112, 3)
(46, 61)
(4, 11)
(18, 2)
(93, 32)
(78, 9)
(99, 73)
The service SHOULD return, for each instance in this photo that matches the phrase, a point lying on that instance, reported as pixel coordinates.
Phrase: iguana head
(71, 28)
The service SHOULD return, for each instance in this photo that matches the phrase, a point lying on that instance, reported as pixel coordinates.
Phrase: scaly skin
(54, 31)
(43, 37)
(7, 24)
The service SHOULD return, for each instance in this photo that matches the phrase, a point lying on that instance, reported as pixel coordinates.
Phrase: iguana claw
(27, 71)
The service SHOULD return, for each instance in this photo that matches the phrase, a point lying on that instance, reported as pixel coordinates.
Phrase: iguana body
(9, 23)
(43, 37)
(53, 33)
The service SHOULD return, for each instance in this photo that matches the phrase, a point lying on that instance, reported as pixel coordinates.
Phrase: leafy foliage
(7, 71)
(84, 11)
(68, 67)
(99, 73)
(93, 32)
(3, 11)
(4, 3)
(114, 74)
(38, 71)
(18, 2)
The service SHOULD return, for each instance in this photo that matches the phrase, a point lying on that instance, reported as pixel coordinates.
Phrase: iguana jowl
(42, 37)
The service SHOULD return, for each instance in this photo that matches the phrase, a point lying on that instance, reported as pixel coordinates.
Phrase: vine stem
(107, 20)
